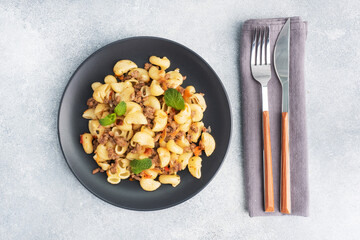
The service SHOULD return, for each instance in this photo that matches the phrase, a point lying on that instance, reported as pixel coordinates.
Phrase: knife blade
(281, 65)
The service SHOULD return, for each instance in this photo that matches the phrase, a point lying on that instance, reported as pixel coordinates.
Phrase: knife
(281, 64)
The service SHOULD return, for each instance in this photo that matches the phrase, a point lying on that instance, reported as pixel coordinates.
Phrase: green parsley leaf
(174, 99)
(137, 166)
(109, 119)
(120, 109)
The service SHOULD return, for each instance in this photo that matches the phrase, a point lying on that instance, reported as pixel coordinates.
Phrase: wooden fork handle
(268, 173)
(285, 198)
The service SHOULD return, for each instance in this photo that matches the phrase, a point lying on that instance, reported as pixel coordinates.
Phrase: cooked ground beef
(156, 160)
(149, 112)
(92, 103)
(112, 168)
(121, 141)
(138, 97)
(113, 101)
(95, 143)
(168, 130)
(188, 137)
(127, 77)
(169, 137)
(138, 86)
(171, 128)
(174, 125)
(136, 177)
(175, 167)
(150, 123)
(135, 74)
(179, 135)
(194, 128)
(171, 115)
(111, 153)
(147, 66)
(112, 140)
(96, 170)
(104, 138)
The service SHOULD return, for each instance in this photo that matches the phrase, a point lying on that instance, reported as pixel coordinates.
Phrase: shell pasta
(144, 126)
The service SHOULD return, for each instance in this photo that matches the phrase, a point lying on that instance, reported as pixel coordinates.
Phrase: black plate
(129, 194)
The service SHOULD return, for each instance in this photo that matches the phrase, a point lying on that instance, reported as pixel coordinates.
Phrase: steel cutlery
(281, 65)
(261, 72)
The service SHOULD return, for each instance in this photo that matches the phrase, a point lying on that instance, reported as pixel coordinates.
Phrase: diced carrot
(197, 151)
(148, 151)
(146, 175)
(163, 136)
(186, 94)
(166, 169)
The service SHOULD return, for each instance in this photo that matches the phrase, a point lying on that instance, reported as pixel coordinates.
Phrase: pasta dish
(144, 126)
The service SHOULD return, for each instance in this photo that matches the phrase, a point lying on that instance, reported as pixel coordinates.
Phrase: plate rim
(189, 196)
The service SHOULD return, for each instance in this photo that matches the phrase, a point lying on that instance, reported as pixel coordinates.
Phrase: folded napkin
(252, 120)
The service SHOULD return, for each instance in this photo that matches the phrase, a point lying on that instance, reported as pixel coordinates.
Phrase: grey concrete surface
(43, 42)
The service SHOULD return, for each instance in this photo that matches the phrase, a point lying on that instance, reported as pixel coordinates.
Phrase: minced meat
(92, 103)
(121, 141)
(149, 112)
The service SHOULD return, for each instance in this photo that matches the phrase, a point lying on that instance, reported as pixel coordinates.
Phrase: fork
(261, 72)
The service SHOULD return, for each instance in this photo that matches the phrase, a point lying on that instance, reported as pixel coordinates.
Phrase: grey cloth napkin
(252, 120)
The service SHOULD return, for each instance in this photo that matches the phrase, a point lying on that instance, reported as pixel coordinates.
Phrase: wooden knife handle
(268, 173)
(285, 198)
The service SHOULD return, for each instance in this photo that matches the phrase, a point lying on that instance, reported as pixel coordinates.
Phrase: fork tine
(258, 45)
(253, 48)
(268, 59)
(263, 49)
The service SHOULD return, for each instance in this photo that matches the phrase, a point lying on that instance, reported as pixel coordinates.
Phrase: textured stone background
(43, 42)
